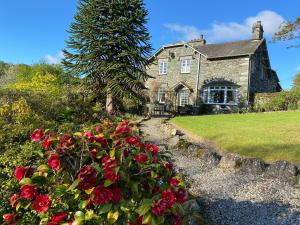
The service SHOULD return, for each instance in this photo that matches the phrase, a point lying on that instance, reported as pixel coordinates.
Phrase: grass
(270, 136)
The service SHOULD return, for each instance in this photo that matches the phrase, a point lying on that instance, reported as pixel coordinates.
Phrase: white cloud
(54, 59)
(230, 31)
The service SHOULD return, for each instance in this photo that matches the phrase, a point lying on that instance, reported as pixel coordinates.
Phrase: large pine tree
(109, 44)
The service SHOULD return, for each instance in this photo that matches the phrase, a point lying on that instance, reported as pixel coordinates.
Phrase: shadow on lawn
(231, 212)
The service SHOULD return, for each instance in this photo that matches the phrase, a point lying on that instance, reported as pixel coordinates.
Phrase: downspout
(198, 78)
(249, 78)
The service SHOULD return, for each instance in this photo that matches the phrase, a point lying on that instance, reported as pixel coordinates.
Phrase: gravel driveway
(230, 197)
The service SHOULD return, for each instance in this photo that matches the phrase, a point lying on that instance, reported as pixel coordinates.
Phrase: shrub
(105, 175)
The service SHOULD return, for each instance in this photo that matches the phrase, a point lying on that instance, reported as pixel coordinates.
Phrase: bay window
(226, 95)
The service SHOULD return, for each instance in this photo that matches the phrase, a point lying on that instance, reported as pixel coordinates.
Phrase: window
(163, 68)
(185, 66)
(161, 95)
(220, 95)
(183, 97)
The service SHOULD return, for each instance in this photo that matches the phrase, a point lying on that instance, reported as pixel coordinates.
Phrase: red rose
(87, 177)
(66, 141)
(89, 135)
(13, 200)
(47, 143)
(117, 194)
(169, 166)
(152, 148)
(134, 141)
(169, 197)
(173, 182)
(59, 217)
(102, 195)
(141, 158)
(37, 135)
(28, 191)
(41, 203)
(9, 218)
(111, 175)
(54, 162)
(52, 223)
(20, 172)
(159, 207)
(181, 196)
(108, 162)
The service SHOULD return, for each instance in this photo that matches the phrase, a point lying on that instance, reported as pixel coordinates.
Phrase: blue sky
(32, 30)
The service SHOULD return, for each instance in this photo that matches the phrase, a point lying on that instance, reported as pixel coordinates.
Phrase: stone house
(223, 76)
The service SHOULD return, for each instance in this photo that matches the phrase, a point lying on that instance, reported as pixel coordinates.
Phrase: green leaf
(105, 208)
(43, 168)
(73, 185)
(147, 218)
(79, 216)
(82, 204)
(107, 183)
(143, 209)
(38, 180)
(25, 181)
(89, 215)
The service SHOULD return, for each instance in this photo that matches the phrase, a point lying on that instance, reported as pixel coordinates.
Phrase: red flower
(173, 182)
(155, 190)
(159, 207)
(177, 220)
(47, 143)
(89, 203)
(87, 177)
(89, 135)
(117, 194)
(169, 197)
(111, 175)
(42, 203)
(20, 172)
(101, 140)
(152, 148)
(102, 195)
(99, 129)
(13, 200)
(59, 217)
(169, 166)
(108, 162)
(141, 158)
(134, 141)
(54, 162)
(66, 141)
(9, 218)
(52, 223)
(123, 128)
(37, 135)
(28, 191)
(181, 196)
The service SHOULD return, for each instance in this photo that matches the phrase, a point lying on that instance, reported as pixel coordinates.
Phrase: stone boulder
(192, 213)
(253, 165)
(230, 161)
(211, 158)
(282, 169)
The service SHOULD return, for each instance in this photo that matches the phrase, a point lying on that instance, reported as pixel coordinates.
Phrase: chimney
(257, 31)
(198, 42)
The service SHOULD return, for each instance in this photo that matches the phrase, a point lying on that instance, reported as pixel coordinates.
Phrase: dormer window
(186, 65)
(163, 67)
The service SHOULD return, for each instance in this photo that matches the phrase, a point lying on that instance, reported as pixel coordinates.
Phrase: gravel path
(230, 197)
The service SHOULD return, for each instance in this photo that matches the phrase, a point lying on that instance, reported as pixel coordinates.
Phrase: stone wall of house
(173, 56)
(234, 69)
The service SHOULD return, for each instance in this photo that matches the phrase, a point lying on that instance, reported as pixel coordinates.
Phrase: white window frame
(160, 93)
(163, 68)
(208, 98)
(184, 97)
(186, 65)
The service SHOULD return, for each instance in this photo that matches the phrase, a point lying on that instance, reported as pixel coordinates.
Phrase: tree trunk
(109, 103)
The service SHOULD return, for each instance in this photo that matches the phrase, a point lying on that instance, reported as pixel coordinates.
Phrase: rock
(191, 206)
(230, 161)
(212, 158)
(173, 141)
(174, 132)
(253, 165)
(192, 213)
(282, 169)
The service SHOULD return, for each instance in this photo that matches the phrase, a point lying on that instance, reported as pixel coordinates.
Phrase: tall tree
(109, 44)
(289, 31)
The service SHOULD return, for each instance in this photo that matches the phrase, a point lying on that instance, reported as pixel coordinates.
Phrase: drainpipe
(249, 78)
(198, 77)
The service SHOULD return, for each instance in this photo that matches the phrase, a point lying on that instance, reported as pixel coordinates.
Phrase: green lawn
(271, 136)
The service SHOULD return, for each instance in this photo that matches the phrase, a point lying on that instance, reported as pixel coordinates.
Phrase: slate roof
(230, 49)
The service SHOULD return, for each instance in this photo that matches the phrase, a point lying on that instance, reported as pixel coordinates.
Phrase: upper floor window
(186, 65)
(163, 68)
(220, 95)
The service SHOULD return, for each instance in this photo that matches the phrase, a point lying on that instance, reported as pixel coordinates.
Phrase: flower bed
(106, 175)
